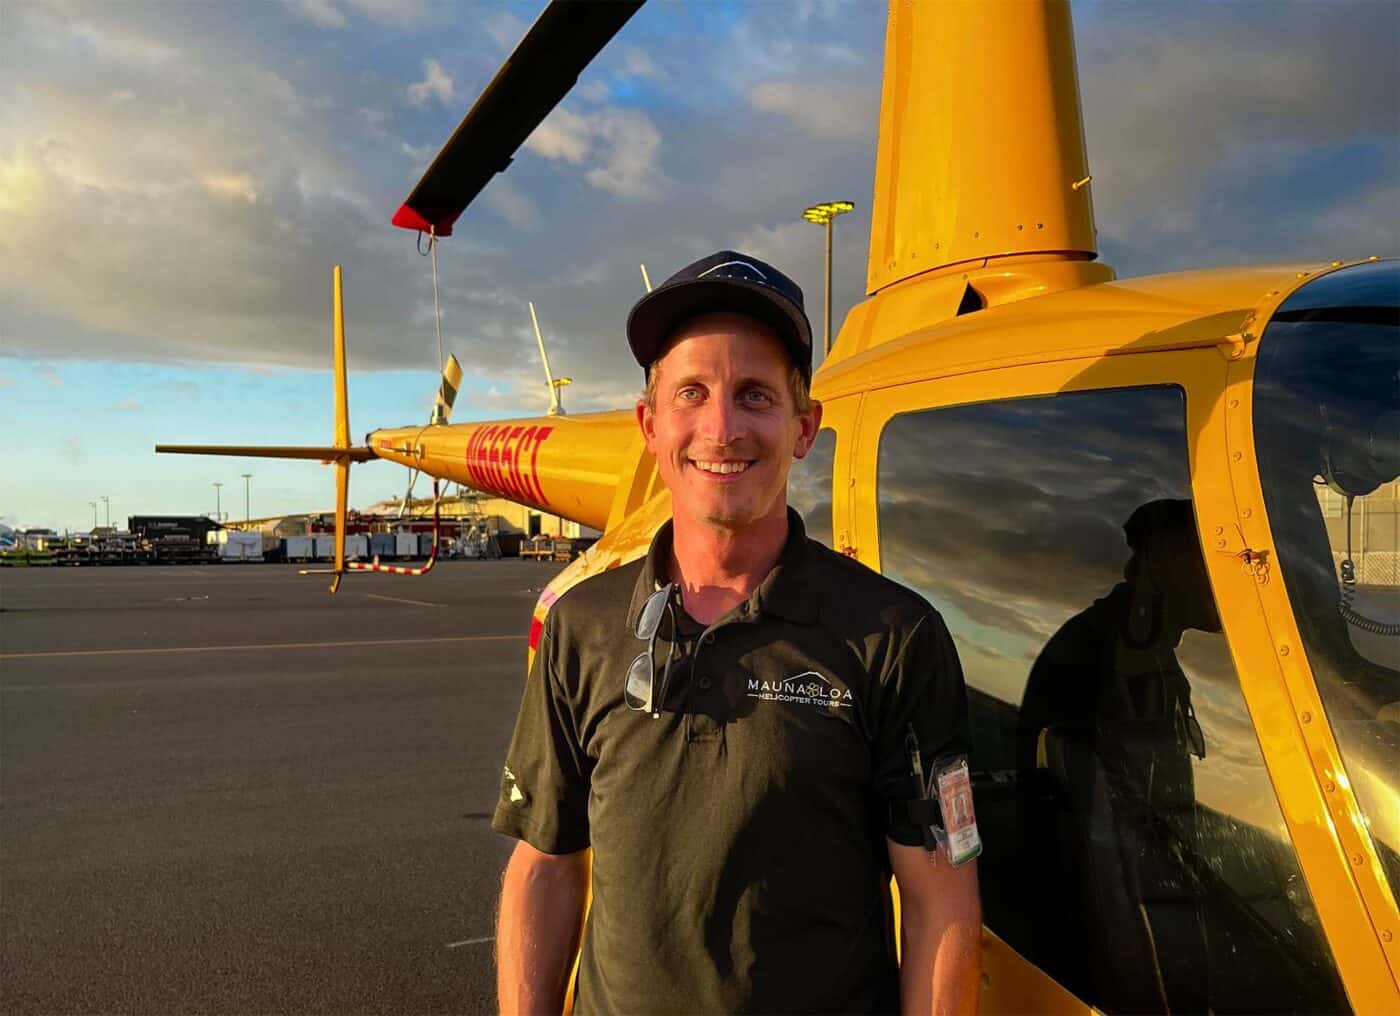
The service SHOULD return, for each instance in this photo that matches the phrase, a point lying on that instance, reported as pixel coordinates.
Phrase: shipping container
(236, 546)
(299, 548)
(325, 546)
(406, 544)
(425, 544)
(382, 545)
(356, 546)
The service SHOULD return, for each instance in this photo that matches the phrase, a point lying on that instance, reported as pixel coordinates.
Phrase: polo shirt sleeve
(924, 689)
(544, 786)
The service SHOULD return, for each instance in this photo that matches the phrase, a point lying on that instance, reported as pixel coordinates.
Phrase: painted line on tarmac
(404, 599)
(471, 941)
(269, 646)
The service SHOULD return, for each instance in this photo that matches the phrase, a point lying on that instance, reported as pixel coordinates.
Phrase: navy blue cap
(724, 281)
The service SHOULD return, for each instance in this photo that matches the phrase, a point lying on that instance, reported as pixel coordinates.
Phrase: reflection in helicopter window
(1133, 845)
(809, 486)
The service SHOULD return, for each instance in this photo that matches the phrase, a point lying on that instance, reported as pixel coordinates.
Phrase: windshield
(1327, 428)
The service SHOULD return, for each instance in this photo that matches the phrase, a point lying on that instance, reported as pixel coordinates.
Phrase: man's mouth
(720, 467)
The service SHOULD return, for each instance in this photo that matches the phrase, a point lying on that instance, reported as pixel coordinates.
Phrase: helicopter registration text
(503, 458)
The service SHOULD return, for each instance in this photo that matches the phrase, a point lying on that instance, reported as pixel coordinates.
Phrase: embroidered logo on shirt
(806, 689)
(510, 788)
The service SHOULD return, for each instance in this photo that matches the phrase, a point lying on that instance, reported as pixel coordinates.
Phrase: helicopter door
(1135, 851)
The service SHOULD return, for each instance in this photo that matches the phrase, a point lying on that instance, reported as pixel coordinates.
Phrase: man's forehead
(725, 344)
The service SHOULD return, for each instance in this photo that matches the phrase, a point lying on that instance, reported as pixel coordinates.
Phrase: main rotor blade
(532, 81)
(272, 452)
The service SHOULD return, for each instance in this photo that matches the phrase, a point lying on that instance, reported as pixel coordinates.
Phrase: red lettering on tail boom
(505, 460)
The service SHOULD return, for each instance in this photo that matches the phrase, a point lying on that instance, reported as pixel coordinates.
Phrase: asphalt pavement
(223, 790)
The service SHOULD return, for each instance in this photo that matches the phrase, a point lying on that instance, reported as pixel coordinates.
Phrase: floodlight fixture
(823, 215)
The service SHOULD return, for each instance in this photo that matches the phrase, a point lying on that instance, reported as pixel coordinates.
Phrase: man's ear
(811, 422)
(646, 422)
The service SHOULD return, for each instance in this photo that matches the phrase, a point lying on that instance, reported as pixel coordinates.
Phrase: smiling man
(735, 722)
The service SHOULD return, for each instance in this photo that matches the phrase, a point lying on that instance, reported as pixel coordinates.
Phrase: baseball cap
(724, 281)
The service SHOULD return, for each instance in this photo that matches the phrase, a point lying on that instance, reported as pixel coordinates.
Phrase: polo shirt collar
(785, 592)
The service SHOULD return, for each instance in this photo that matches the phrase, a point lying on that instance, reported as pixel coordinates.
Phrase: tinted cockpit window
(1327, 426)
(1134, 848)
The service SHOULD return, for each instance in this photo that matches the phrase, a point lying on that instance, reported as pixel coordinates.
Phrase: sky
(177, 181)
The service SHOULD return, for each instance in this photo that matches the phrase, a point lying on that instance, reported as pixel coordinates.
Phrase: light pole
(217, 513)
(823, 215)
(106, 510)
(247, 511)
(94, 513)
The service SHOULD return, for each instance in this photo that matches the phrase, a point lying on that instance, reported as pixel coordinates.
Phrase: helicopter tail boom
(578, 467)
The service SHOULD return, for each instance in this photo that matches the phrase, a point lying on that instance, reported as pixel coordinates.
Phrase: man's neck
(718, 569)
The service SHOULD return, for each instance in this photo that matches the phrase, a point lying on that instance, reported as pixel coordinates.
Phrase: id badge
(959, 819)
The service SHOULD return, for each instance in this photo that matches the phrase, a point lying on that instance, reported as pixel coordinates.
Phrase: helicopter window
(1327, 425)
(809, 486)
(1134, 848)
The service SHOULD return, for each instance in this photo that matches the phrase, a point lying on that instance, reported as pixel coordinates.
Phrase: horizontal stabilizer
(272, 452)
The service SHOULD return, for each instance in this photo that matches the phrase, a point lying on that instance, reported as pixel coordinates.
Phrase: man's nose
(721, 423)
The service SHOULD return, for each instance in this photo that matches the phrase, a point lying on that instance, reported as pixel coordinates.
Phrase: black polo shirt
(739, 855)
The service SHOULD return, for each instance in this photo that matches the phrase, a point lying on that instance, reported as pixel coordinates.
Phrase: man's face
(724, 428)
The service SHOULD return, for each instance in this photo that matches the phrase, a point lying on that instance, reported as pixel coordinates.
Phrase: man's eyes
(750, 396)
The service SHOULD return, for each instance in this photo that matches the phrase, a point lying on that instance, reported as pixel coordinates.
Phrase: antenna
(556, 405)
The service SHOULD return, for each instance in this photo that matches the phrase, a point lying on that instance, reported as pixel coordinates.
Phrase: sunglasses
(641, 675)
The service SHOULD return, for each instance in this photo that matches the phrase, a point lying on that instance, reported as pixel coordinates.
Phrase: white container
(238, 546)
(325, 546)
(406, 544)
(356, 546)
(300, 548)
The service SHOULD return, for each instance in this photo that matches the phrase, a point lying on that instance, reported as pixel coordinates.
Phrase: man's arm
(537, 932)
(940, 931)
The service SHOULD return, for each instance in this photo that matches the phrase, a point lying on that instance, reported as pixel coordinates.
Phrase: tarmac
(223, 790)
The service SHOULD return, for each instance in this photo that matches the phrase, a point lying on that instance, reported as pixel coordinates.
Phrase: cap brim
(657, 315)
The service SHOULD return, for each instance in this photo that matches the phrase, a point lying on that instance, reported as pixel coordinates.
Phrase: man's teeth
(721, 467)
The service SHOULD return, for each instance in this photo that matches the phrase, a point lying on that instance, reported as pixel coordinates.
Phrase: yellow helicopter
(1160, 515)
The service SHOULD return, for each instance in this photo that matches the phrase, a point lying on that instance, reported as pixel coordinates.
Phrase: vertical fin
(342, 434)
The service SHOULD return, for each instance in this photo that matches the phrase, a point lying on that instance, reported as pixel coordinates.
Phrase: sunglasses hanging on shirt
(640, 692)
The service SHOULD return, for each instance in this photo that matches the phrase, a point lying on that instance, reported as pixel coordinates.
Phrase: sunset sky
(178, 179)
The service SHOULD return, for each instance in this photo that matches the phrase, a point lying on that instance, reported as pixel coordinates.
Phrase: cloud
(332, 13)
(231, 185)
(821, 107)
(638, 63)
(562, 135)
(622, 148)
(1223, 161)
(436, 84)
(504, 29)
(325, 13)
(513, 205)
